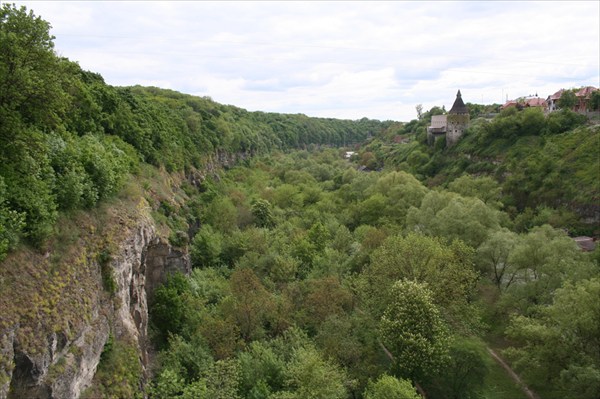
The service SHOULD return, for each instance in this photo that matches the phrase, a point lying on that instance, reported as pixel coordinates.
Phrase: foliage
(106, 271)
(11, 224)
(412, 329)
(261, 210)
(168, 309)
(206, 247)
(465, 374)
(119, 373)
(388, 387)
(308, 375)
(493, 257)
(567, 99)
(446, 269)
(559, 345)
(439, 211)
(70, 141)
(304, 262)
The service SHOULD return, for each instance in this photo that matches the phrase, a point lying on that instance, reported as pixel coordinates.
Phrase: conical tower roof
(459, 106)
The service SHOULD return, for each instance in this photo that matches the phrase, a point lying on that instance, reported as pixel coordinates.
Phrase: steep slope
(61, 306)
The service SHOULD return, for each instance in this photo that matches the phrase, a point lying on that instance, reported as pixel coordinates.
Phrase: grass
(499, 385)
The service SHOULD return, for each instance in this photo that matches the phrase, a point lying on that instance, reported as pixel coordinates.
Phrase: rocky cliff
(56, 321)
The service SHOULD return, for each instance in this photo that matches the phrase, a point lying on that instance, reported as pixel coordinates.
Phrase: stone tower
(457, 121)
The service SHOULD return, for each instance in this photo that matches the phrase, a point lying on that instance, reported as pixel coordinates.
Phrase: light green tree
(262, 212)
(388, 387)
(451, 216)
(414, 332)
(446, 269)
(493, 257)
(308, 375)
(483, 187)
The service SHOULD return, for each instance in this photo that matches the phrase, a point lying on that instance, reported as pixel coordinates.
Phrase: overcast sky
(334, 59)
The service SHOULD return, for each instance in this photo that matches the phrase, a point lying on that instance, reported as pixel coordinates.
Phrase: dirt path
(528, 392)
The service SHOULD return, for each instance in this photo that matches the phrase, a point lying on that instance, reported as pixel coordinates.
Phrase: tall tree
(412, 329)
(30, 72)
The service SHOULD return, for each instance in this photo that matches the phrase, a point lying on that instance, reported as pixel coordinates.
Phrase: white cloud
(336, 59)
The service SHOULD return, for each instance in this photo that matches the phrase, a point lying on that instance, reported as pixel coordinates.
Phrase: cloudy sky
(334, 59)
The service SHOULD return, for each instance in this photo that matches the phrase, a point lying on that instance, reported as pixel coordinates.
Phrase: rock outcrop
(66, 354)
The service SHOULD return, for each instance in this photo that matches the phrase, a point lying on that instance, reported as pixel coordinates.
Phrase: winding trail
(528, 392)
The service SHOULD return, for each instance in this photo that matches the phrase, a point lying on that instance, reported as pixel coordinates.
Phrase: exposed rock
(65, 364)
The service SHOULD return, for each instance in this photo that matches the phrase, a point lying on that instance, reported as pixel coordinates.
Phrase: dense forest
(387, 275)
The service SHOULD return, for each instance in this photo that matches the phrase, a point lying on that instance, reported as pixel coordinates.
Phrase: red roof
(510, 103)
(535, 102)
(557, 95)
(586, 92)
(528, 102)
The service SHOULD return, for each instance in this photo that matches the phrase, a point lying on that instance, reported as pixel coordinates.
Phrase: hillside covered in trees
(388, 275)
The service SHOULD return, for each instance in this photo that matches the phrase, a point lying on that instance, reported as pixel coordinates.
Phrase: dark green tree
(263, 215)
(567, 100)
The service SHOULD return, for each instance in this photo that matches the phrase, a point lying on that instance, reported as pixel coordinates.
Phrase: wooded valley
(387, 274)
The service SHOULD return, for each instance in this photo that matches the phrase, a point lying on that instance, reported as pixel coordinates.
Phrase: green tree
(446, 269)
(546, 258)
(168, 310)
(221, 214)
(206, 247)
(560, 345)
(567, 100)
(262, 212)
(595, 100)
(261, 371)
(451, 216)
(412, 329)
(464, 375)
(483, 187)
(30, 73)
(223, 380)
(308, 375)
(11, 224)
(493, 257)
(388, 387)
(252, 303)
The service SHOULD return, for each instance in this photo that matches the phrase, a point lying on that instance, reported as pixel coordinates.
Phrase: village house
(527, 102)
(583, 96)
(552, 101)
(451, 125)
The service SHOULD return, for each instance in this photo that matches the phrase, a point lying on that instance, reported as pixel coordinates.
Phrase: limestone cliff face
(57, 357)
(55, 312)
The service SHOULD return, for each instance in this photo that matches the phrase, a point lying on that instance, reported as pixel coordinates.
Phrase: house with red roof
(526, 102)
(552, 101)
(583, 95)
(583, 99)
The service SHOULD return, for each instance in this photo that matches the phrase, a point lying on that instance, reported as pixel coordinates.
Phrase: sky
(338, 59)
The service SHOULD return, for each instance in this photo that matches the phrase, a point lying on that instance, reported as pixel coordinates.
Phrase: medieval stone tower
(457, 121)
